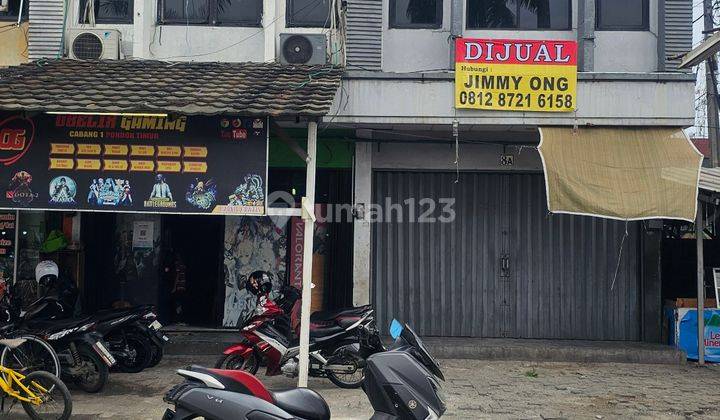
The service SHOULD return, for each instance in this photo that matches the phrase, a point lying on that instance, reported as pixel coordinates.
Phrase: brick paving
(476, 389)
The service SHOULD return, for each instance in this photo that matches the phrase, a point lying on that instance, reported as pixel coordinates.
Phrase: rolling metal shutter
(446, 279)
(46, 29)
(678, 31)
(364, 34)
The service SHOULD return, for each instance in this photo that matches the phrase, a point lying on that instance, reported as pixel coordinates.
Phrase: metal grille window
(308, 13)
(622, 15)
(210, 12)
(511, 14)
(108, 11)
(416, 14)
(12, 10)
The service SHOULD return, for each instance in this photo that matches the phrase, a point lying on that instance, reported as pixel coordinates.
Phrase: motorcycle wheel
(237, 362)
(140, 346)
(157, 355)
(342, 356)
(56, 400)
(96, 377)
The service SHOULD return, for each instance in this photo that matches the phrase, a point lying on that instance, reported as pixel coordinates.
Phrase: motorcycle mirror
(396, 329)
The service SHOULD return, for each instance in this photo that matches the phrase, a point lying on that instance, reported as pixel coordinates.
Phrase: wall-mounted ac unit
(303, 49)
(94, 44)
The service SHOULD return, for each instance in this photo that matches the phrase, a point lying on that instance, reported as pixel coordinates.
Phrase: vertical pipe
(309, 216)
(700, 285)
(16, 251)
(711, 90)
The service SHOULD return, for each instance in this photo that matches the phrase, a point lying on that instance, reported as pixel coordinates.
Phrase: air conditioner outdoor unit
(303, 49)
(94, 44)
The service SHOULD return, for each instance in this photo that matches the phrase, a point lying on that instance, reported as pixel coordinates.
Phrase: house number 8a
(507, 160)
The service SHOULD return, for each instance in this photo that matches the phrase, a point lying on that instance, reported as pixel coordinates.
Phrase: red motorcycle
(340, 342)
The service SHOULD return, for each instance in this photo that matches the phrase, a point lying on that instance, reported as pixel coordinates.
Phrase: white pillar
(143, 22)
(361, 244)
(268, 22)
(309, 218)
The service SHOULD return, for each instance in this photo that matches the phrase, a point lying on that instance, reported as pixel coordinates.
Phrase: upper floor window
(416, 14)
(13, 10)
(210, 12)
(107, 11)
(308, 13)
(512, 14)
(622, 15)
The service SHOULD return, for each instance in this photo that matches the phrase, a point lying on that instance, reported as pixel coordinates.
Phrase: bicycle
(39, 392)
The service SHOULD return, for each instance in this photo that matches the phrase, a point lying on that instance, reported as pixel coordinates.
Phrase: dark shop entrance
(172, 261)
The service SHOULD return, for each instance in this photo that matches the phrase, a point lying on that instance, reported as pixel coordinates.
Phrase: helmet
(258, 282)
(46, 272)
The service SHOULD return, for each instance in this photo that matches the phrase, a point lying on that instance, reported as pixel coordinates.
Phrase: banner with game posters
(152, 163)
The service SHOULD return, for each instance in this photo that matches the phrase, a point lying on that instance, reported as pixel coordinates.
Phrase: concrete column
(586, 35)
(269, 20)
(143, 24)
(361, 244)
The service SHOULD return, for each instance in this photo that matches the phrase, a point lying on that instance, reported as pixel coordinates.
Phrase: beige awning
(620, 173)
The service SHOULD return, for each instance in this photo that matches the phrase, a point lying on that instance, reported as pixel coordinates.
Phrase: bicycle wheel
(35, 354)
(56, 401)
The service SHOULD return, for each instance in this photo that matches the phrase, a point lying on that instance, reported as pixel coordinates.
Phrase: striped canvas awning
(621, 173)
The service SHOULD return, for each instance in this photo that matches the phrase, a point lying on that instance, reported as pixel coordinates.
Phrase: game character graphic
(161, 196)
(62, 190)
(19, 189)
(108, 192)
(202, 194)
(249, 193)
(126, 194)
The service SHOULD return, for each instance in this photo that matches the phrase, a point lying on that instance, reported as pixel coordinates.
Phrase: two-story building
(464, 244)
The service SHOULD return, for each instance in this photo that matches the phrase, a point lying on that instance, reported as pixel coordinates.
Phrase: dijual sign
(515, 75)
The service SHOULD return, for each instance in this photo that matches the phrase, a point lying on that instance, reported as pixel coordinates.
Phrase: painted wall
(13, 43)
(414, 50)
(146, 39)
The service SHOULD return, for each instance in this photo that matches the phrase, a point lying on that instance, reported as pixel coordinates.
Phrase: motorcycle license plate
(155, 325)
(104, 353)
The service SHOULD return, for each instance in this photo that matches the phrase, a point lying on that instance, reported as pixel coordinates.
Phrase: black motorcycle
(134, 336)
(401, 383)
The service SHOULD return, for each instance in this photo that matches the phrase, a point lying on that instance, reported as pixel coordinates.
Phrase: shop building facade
(503, 267)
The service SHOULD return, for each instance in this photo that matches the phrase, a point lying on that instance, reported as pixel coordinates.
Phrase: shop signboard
(683, 324)
(134, 163)
(515, 75)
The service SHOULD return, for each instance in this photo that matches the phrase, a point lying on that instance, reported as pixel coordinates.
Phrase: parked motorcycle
(401, 383)
(340, 341)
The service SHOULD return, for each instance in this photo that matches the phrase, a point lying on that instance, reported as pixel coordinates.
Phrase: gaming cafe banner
(183, 164)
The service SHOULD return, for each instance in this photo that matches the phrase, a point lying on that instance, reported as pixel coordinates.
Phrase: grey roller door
(449, 279)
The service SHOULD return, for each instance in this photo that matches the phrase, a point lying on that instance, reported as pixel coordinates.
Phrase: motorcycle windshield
(426, 358)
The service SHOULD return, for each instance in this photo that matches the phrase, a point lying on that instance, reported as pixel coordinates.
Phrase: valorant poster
(168, 164)
(251, 244)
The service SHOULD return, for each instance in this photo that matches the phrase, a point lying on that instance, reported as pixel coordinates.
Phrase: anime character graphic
(126, 194)
(62, 190)
(249, 193)
(251, 244)
(19, 189)
(202, 194)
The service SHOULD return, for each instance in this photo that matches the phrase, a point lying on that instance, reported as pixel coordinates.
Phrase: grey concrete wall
(361, 239)
(602, 99)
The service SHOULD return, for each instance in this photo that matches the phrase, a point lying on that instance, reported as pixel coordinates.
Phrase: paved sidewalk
(476, 389)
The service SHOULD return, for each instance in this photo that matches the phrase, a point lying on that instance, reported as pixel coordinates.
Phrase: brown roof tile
(154, 86)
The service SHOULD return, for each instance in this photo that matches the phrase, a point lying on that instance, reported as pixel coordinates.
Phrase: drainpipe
(456, 27)
(586, 34)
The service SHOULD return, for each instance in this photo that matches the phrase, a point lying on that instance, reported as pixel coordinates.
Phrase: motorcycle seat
(325, 332)
(324, 316)
(302, 402)
(51, 325)
(109, 314)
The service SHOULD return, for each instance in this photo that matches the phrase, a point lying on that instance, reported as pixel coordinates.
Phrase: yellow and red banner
(515, 75)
